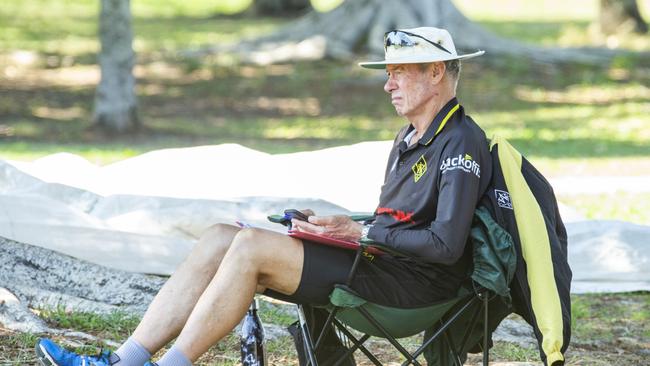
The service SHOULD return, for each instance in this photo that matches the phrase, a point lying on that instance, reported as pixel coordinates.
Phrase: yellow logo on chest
(419, 168)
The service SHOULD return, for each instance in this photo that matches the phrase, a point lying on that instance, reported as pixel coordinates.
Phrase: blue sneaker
(51, 354)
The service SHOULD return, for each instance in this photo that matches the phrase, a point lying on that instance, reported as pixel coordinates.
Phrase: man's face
(410, 88)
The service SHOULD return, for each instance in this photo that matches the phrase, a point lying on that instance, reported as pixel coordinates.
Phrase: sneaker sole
(43, 358)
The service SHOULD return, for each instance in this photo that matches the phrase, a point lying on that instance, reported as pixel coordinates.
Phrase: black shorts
(384, 280)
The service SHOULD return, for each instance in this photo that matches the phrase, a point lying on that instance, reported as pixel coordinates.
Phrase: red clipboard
(328, 240)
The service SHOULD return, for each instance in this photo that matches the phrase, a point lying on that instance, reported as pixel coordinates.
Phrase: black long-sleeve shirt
(431, 190)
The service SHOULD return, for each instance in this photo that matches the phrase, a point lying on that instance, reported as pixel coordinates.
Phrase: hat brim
(417, 60)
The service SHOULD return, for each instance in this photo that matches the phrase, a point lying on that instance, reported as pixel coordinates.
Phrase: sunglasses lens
(397, 39)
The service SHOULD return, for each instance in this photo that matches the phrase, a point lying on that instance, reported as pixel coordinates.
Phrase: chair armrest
(282, 219)
(363, 217)
(278, 219)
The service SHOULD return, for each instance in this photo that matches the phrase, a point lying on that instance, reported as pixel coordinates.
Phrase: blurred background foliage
(569, 119)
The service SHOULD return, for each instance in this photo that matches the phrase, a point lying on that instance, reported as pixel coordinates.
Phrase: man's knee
(258, 246)
(277, 259)
(247, 243)
(216, 239)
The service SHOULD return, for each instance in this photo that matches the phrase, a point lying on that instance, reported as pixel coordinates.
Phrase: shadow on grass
(311, 105)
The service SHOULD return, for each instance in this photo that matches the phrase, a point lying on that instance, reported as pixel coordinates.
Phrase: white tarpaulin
(145, 213)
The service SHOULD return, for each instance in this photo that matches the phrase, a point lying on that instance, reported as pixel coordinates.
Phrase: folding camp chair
(494, 264)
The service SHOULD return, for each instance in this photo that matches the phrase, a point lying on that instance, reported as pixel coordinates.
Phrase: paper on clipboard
(328, 240)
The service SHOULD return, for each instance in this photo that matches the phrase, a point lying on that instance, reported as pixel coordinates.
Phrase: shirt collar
(440, 121)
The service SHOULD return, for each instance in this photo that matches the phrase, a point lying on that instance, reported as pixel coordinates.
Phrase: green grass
(608, 316)
(513, 352)
(116, 325)
(550, 23)
(631, 207)
(271, 312)
(600, 323)
(195, 23)
(17, 348)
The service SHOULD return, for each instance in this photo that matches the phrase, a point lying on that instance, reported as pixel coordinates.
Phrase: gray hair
(452, 68)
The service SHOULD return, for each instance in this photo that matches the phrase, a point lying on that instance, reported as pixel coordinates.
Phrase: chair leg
(358, 343)
(452, 348)
(351, 350)
(309, 345)
(472, 323)
(391, 339)
(486, 351)
(328, 321)
(445, 326)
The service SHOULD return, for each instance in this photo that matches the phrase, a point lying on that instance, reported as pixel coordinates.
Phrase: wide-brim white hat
(417, 46)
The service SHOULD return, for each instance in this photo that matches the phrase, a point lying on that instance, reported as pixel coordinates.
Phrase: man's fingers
(319, 220)
(325, 220)
(306, 226)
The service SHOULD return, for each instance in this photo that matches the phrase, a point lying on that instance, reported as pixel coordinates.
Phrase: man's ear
(437, 71)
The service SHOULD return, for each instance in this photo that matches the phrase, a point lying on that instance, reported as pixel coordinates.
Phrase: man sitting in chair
(438, 169)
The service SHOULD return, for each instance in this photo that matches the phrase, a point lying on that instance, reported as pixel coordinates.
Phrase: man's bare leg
(256, 257)
(173, 304)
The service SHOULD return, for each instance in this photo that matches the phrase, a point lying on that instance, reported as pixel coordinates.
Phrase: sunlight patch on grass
(95, 153)
(325, 5)
(515, 10)
(551, 22)
(70, 27)
(625, 206)
(285, 106)
(584, 94)
(571, 131)
(358, 128)
(187, 8)
(597, 166)
(58, 113)
(151, 35)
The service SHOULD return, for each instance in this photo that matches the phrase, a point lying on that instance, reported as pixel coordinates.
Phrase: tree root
(358, 27)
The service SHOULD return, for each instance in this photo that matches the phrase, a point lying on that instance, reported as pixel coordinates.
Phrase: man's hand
(337, 226)
(308, 212)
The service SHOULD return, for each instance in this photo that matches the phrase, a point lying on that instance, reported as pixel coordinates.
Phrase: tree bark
(357, 26)
(621, 16)
(43, 278)
(281, 7)
(115, 99)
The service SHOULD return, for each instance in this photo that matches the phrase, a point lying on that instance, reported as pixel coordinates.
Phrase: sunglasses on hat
(398, 38)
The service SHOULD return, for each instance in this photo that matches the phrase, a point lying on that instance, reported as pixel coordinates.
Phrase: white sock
(131, 353)
(174, 357)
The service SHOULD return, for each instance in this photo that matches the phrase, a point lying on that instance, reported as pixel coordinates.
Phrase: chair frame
(480, 294)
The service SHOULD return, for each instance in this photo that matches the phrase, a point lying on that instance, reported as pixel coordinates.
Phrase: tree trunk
(40, 277)
(358, 26)
(115, 100)
(281, 7)
(621, 16)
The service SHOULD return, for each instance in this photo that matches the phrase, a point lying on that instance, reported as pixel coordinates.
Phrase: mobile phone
(295, 214)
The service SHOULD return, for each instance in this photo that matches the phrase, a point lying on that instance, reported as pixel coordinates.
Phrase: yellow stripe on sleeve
(536, 251)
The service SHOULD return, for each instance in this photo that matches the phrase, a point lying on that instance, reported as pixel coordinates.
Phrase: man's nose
(390, 85)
